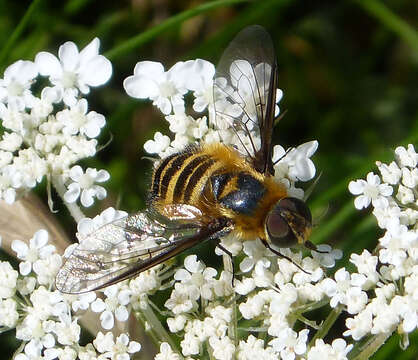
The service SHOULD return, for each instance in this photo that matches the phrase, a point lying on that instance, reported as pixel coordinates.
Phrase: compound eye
(296, 206)
(279, 231)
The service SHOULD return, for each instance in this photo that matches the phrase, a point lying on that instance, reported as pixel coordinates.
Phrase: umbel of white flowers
(48, 134)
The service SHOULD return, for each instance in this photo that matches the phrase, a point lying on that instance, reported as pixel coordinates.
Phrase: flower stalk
(73, 208)
(366, 351)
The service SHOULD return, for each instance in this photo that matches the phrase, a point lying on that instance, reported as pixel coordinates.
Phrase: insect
(205, 191)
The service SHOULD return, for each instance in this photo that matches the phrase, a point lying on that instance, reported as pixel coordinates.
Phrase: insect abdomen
(181, 177)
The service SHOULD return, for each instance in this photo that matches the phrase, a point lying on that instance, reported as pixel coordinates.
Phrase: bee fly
(205, 191)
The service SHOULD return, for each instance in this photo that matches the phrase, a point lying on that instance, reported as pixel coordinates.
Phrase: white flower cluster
(270, 294)
(270, 291)
(168, 91)
(45, 320)
(391, 273)
(46, 134)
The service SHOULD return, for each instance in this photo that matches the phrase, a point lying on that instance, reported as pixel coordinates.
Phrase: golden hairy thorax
(217, 180)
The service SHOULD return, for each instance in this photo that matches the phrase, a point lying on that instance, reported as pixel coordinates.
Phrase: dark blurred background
(348, 70)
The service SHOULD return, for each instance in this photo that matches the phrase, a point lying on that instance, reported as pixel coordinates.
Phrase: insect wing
(245, 91)
(125, 247)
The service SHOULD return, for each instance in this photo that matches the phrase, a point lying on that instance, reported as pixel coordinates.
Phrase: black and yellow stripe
(182, 176)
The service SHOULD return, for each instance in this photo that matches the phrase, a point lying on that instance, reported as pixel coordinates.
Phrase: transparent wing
(245, 91)
(125, 247)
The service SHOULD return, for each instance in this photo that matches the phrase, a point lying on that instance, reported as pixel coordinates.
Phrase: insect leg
(227, 252)
(284, 257)
(284, 155)
(312, 246)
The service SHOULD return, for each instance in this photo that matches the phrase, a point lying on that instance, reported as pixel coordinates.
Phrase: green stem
(156, 327)
(367, 350)
(233, 326)
(329, 321)
(18, 30)
(391, 21)
(73, 208)
(149, 34)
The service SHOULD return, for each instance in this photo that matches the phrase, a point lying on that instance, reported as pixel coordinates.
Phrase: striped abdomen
(181, 177)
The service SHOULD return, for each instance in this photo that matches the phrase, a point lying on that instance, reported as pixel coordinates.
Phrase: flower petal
(89, 51)
(150, 69)
(73, 192)
(140, 87)
(48, 64)
(97, 71)
(107, 320)
(68, 54)
(87, 197)
(76, 172)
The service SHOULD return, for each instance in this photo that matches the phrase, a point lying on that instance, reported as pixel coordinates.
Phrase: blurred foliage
(348, 69)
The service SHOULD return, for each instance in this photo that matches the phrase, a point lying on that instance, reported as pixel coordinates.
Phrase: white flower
(296, 163)
(68, 333)
(290, 343)
(179, 123)
(198, 77)
(38, 249)
(337, 289)
(407, 157)
(26, 285)
(86, 225)
(87, 352)
(356, 300)
(31, 353)
(30, 167)
(150, 81)
(84, 184)
(256, 254)
(119, 349)
(74, 70)
(253, 348)
(391, 173)
(43, 106)
(370, 191)
(83, 301)
(177, 323)
(180, 301)
(338, 350)
(46, 269)
(405, 195)
(115, 305)
(8, 278)
(395, 244)
(360, 325)
(196, 278)
(77, 120)
(223, 348)
(11, 142)
(8, 313)
(366, 265)
(166, 353)
(244, 286)
(158, 145)
(253, 307)
(36, 326)
(15, 86)
(410, 177)
(327, 256)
